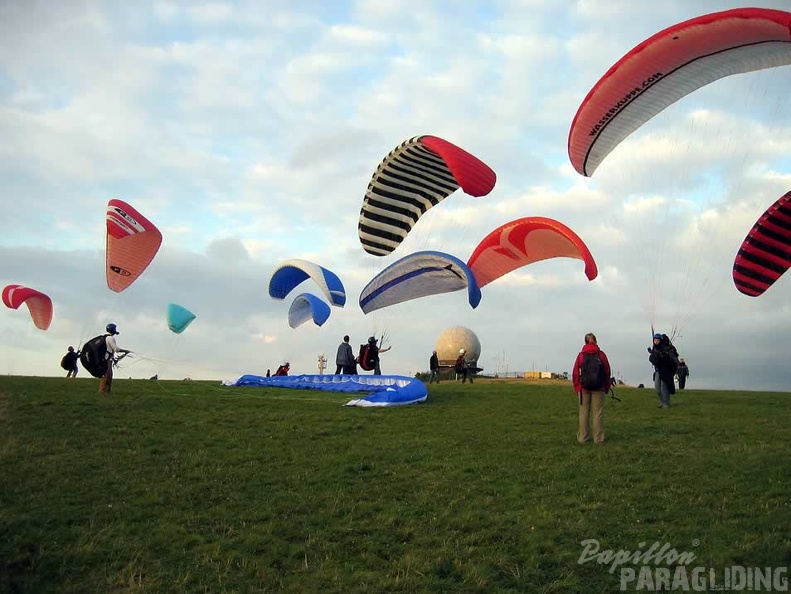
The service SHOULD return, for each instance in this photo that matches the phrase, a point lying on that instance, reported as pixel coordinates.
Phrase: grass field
(195, 487)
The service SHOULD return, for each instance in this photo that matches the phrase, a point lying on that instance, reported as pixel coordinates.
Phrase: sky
(248, 132)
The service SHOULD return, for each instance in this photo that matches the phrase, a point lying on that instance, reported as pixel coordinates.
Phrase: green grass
(194, 487)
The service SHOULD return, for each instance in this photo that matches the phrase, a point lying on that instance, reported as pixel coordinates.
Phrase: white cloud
(249, 131)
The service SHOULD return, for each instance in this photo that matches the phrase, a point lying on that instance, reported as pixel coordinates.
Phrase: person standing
(69, 362)
(591, 377)
(461, 368)
(682, 373)
(110, 358)
(664, 357)
(344, 359)
(433, 365)
(373, 355)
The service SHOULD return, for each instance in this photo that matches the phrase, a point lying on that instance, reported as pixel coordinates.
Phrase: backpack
(92, 356)
(592, 376)
(366, 358)
(459, 367)
(65, 363)
(673, 353)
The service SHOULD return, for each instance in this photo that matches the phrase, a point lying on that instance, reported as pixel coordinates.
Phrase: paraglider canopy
(417, 275)
(307, 307)
(290, 273)
(132, 243)
(39, 304)
(525, 241)
(670, 65)
(179, 318)
(765, 254)
(413, 177)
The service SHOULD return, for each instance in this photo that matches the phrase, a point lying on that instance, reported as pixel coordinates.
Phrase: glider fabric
(307, 307)
(38, 304)
(179, 318)
(670, 65)
(413, 177)
(382, 390)
(293, 272)
(765, 254)
(417, 275)
(132, 243)
(525, 241)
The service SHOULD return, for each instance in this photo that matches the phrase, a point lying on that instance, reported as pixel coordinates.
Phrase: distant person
(591, 376)
(344, 359)
(682, 373)
(111, 358)
(461, 367)
(664, 357)
(268, 373)
(69, 362)
(433, 365)
(283, 369)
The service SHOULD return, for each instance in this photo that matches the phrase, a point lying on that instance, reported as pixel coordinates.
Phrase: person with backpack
(682, 373)
(368, 359)
(110, 358)
(591, 377)
(461, 368)
(69, 362)
(283, 369)
(664, 357)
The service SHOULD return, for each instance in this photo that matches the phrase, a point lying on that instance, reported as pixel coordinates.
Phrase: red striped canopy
(765, 253)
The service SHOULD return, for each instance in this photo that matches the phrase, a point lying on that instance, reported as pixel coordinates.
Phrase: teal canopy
(179, 318)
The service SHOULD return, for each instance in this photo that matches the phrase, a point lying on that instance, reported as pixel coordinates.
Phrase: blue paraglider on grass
(382, 390)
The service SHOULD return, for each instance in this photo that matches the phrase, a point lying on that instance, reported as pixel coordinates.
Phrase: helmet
(112, 329)
(372, 340)
(462, 351)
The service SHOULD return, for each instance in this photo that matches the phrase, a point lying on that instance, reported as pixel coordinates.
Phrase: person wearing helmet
(111, 358)
(664, 357)
(461, 368)
(69, 362)
(373, 354)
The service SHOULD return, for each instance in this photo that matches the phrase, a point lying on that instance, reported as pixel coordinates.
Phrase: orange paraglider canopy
(132, 243)
(525, 241)
(39, 304)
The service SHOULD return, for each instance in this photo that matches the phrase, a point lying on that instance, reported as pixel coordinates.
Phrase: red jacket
(575, 374)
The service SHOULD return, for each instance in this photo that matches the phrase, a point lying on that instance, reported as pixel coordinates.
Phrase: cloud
(248, 133)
